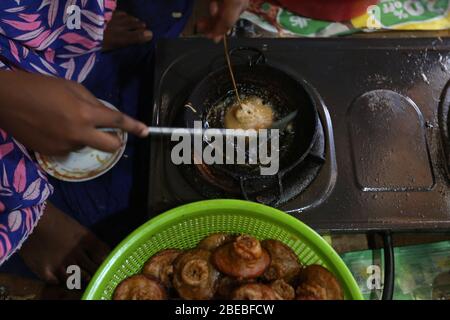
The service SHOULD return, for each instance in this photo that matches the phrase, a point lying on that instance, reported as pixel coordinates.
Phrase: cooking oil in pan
(217, 115)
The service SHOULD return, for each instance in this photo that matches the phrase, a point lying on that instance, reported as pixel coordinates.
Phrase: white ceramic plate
(85, 164)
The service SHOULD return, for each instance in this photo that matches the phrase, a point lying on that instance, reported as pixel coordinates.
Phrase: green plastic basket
(185, 226)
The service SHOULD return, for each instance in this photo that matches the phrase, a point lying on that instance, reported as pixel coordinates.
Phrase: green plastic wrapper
(387, 15)
(422, 272)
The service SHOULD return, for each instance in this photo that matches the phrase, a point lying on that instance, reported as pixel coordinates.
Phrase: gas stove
(382, 159)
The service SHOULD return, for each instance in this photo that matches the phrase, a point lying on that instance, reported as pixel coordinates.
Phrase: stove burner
(341, 193)
(272, 190)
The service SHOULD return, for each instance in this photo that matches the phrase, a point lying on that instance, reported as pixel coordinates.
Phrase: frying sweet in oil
(252, 113)
(225, 266)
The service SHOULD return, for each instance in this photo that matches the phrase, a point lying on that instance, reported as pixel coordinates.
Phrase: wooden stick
(230, 67)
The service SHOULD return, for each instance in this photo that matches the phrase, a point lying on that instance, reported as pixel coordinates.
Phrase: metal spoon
(169, 131)
(283, 122)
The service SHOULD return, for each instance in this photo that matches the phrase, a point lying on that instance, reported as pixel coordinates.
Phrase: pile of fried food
(224, 266)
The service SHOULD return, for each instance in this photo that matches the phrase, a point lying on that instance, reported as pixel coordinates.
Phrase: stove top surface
(383, 106)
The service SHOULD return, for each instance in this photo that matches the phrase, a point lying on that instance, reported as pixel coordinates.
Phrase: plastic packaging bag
(422, 272)
(387, 15)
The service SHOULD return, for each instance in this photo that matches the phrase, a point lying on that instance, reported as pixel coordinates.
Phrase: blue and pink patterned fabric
(35, 37)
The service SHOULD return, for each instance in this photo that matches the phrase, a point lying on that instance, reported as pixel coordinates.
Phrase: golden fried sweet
(227, 266)
(195, 278)
(255, 291)
(244, 258)
(284, 262)
(214, 241)
(317, 283)
(227, 285)
(160, 266)
(311, 291)
(139, 287)
(283, 289)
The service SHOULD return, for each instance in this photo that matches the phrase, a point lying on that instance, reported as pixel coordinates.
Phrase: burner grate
(274, 190)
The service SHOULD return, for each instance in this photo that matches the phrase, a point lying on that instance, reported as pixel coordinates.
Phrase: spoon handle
(165, 131)
(168, 131)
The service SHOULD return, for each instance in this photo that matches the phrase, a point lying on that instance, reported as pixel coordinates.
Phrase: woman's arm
(55, 116)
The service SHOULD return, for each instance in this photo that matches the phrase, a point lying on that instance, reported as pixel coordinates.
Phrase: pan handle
(257, 58)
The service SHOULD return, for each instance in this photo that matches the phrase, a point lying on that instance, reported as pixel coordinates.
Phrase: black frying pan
(257, 77)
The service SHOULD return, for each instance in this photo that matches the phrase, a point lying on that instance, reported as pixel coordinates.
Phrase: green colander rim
(329, 256)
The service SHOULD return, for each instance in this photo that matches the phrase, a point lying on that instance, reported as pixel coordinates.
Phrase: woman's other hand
(125, 30)
(55, 116)
(223, 15)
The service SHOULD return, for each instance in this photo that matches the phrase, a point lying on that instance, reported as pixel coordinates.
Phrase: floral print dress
(35, 37)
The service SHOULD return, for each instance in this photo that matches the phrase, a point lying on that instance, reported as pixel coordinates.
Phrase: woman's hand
(223, 15)
(56, 116)
(124, 30)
